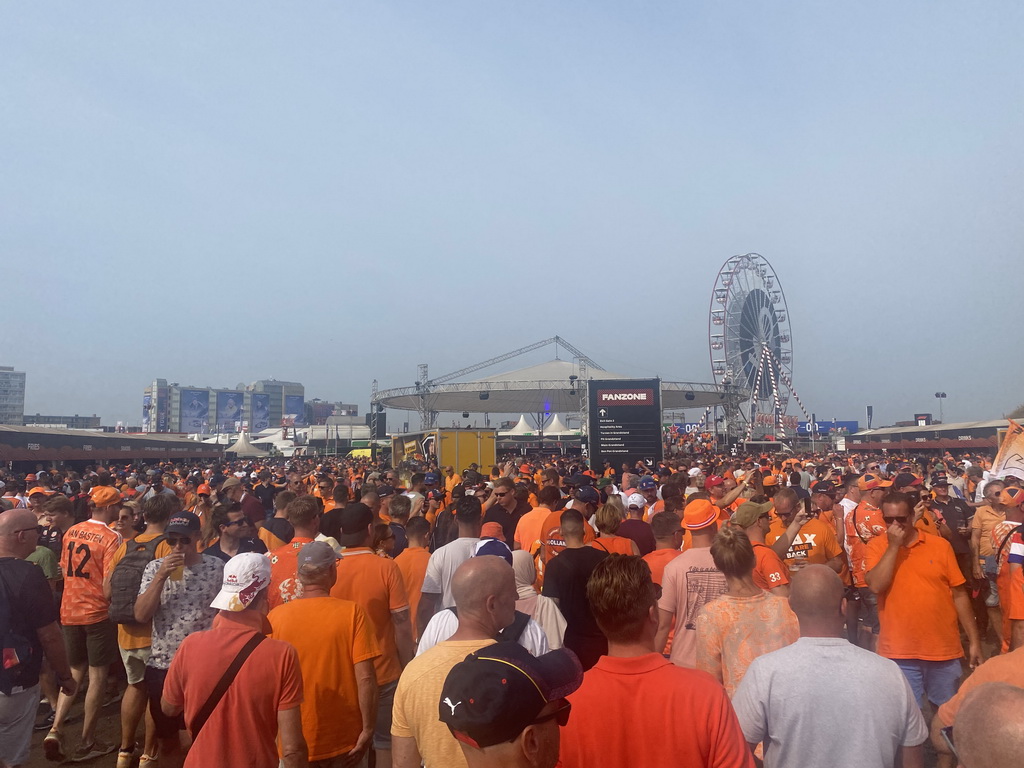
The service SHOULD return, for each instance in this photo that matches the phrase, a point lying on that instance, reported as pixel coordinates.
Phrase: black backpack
(127, 578)
(17, 650)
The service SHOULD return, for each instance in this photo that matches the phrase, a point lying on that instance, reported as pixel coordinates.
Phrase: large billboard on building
(229, 411)
(195, 410)
(163, 410)
(260, 411)
(294, 410)
(147, 402)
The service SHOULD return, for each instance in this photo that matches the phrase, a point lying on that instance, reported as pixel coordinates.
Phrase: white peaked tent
(557, 429)
(243, 448)
(522, 429)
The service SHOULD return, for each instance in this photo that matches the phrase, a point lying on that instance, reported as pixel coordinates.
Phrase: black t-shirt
(245, 545)
(30, 605)
(446, 530)
(52, 538)
(957, 515)
(640, 532)
(330, 521)
(401, 539)
(565, 579)
(498, 514)
(266, 494)
(282, 529)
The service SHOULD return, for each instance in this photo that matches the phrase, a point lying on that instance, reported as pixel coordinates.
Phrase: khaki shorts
(92, 644)
(134, 661)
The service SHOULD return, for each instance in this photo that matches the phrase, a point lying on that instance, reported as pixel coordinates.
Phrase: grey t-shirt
(823, 701)
(184, 606)
(442, 566)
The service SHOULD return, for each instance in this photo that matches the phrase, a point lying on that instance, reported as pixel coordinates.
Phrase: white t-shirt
(444, 623)
(442, 566)
(807, 724)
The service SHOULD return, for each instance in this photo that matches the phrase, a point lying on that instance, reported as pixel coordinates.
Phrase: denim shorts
(937, 679)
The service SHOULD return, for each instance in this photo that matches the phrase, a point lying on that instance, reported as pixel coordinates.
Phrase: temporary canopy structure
(243, 448)
(521, 429)
(557, 429)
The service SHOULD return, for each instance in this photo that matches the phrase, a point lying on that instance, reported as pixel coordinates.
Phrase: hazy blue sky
(330, 192)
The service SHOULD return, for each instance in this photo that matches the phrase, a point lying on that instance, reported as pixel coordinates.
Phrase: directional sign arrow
(603, 412)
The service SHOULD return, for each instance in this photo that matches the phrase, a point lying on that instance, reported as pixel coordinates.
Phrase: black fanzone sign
(625, 422)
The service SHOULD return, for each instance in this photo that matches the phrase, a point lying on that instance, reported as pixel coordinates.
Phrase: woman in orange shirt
(608, 518)
(745, 622)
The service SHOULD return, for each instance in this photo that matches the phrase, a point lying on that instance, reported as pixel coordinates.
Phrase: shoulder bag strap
(224, 683)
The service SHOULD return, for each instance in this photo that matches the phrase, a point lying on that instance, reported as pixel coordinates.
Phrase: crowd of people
(707, 610)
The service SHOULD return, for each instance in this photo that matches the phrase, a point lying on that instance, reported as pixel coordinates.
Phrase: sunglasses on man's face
(890, 519)
(173, 542)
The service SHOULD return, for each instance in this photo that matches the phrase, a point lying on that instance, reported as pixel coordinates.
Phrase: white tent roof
(242, 447)
(557, 428)
(521, 429)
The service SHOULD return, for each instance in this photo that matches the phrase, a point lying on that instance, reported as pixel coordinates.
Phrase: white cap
(694, 471)
(245, 576)
(635, 500)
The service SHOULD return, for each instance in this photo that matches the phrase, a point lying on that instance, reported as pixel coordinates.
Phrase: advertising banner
(162, 410)
(827, 427)
(147, 402)
(195, 410)
(229, 411)
(295, 410)
(260, 412)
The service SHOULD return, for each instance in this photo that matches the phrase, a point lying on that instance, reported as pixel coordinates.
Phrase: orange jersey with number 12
(85, 560)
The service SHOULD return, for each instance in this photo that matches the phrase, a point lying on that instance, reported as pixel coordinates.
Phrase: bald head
(17, 533)
(816, 596)
(989, 728)
(15, 519)
(478, 579)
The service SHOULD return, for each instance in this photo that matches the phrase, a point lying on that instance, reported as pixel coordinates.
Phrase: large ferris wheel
(751, 343)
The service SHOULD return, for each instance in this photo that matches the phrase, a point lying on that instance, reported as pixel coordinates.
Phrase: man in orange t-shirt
(863, 524)
(585, 501)
(376, 584)
(258, 721)
(687, 713)
(86, 558)
(304, 515)
(801, 538)
(530, 526)
(921, 595)
(412, 562)
(336, 646)
(770, 573)
(668, 538)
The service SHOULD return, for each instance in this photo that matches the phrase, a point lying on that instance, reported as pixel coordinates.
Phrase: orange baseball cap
(699, 513)
(105, 496)
(204, 489)
(769, 480)
(871, 482)
(40, 489)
